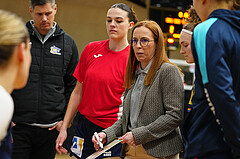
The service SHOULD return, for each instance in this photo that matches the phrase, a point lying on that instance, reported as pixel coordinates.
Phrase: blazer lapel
(144, 93)
(142, 98)
(127, 107)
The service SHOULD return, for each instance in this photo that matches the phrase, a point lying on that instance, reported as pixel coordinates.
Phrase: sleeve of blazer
(69, 79)
(114, 131)
(171, 86)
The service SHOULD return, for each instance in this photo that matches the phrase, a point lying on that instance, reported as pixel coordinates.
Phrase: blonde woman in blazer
(153, 104)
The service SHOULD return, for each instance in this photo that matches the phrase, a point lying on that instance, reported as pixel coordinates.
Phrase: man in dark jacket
(41, 105)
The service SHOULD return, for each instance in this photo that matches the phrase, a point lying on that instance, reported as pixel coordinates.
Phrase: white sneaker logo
(99, 55)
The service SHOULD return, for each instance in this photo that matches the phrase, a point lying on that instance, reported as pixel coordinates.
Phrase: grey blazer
(159, 116)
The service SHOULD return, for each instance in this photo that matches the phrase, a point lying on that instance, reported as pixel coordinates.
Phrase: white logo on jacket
(55, 50)
(99, 55)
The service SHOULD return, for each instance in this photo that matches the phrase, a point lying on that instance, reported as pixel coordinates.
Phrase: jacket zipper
(40, 82)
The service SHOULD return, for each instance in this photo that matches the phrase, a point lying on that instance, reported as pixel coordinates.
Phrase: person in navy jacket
(212, 127)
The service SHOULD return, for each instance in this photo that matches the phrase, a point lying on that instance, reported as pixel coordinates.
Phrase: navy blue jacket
(212, 122)
(6, 146)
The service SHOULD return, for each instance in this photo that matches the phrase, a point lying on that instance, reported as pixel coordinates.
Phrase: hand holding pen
(99, 139)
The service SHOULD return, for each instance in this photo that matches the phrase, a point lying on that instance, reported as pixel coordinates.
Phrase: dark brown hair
(131, 14)
(34, 3)
(193, 17)
(236, 5)
(190, 26)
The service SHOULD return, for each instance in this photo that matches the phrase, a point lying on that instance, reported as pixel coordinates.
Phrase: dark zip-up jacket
(213, 120)
(45, 97)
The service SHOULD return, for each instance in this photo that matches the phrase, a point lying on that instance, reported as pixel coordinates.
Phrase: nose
(138, 45)
(181, 51)
(44, 18)
(112, 24)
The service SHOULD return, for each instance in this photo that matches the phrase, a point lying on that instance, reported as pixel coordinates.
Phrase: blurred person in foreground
(153, 105)
(41, 105)
(212, 125)
(15, 59)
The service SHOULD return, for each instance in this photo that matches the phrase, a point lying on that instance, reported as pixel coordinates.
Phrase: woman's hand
(60, 140)
(102, 138)
(128, 138)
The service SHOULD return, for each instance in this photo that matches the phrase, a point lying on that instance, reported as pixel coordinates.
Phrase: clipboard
(105, 148)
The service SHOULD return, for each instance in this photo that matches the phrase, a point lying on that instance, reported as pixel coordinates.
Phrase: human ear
(20, 51)
(55, 8)
(203, 2)
(30, 10)
(131, 24)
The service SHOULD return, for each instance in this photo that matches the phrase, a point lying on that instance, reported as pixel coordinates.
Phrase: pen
(98, 140)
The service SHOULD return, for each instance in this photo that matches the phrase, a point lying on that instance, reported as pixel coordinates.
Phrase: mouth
(45, 24)
(139, 53)
(112, 31)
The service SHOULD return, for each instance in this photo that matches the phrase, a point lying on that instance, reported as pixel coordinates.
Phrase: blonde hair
(160, 56)
(12, 33)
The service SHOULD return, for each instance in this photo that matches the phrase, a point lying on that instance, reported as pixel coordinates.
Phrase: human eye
(119, 21)
(109, 20)
(134, 41)
(144, 41)
(185, 44)
(48, 13)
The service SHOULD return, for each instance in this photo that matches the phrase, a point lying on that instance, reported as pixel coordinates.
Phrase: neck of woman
(118, 44)
(219, 5)
(7, 79)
